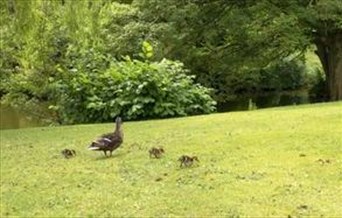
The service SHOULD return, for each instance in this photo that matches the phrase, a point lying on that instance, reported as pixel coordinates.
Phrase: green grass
(254, 163)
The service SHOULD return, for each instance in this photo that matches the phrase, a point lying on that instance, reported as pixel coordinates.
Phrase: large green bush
(284, 75)
(132, 89)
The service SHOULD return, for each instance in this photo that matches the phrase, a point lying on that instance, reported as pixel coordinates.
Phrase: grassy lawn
(271, 162)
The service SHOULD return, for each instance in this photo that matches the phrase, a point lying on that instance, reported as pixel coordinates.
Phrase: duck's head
(182, 158)
(195, 158)
(118, 120)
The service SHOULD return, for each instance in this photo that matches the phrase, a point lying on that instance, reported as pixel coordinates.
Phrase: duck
(156, 152)
(109, 141)
(187, 161)
(68, 153)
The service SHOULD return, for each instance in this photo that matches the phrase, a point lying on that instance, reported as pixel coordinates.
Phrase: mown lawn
(274, 162)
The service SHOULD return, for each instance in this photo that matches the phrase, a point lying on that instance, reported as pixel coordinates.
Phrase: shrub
(284, 75)
(132, 89)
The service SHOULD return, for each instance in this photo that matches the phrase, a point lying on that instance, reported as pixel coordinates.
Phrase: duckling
(156, 152)
(187, 160)
(68, 153)
(110, 141)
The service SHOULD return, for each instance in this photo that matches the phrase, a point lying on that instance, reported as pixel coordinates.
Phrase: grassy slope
(251, 165)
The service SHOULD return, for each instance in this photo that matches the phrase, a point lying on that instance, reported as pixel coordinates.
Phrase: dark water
(12, 119)
(264, 101)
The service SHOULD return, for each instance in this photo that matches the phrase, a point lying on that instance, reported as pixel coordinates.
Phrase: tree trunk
(329, 51)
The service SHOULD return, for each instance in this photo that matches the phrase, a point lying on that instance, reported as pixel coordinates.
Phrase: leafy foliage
(233, 47)
(285, 75)
(241, 49)
(132, 89)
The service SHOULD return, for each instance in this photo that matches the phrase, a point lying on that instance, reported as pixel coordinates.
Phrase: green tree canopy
(227, 35)
(234, 46)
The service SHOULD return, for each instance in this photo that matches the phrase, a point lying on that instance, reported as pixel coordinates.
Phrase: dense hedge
(132, 89)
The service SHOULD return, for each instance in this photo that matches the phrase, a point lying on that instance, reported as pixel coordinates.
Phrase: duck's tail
(93, 148)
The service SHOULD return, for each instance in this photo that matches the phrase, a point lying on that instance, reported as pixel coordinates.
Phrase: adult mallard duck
(110, 141)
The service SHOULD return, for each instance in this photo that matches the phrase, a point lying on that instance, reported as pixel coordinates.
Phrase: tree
(221, 37)
(198, 32)
(326, 30)
(287, 26)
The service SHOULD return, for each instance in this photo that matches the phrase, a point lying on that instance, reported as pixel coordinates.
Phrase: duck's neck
(117, 126)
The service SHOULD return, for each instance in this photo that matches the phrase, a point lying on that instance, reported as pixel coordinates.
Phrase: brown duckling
(68, 153)
(156, 152)
(187, 161)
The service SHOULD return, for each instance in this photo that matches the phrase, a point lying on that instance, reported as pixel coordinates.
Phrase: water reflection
(12, 119)
(265, 101)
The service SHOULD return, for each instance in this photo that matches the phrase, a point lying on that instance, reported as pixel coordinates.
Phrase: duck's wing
(100, 143)
(107, 135)
(116, 141)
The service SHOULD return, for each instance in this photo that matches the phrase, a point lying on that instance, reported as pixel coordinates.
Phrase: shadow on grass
(115, 155)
